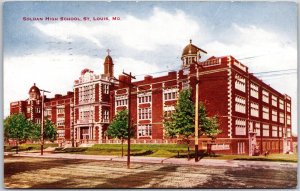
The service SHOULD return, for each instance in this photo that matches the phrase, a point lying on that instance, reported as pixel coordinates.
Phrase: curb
(157, 160)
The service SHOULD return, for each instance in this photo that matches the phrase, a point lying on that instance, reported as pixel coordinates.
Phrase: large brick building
(58, 109)
(252, 115)
(92, 103)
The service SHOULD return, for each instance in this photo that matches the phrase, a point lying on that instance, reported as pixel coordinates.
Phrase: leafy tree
(49, 131)
(209, 126)
(118, 128)
(17, 127)
(182, 121)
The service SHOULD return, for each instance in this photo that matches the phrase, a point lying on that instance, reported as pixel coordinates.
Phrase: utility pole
(42, 126)
(197, 114)
(129, 117)
(73, 128)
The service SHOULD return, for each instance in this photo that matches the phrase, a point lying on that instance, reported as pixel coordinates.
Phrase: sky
(148, 38)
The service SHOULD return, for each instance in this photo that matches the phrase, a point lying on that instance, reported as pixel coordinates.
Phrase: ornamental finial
(108, 51)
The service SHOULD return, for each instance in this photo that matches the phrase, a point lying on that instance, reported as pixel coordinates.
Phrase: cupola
(34, 93)
(190, 54)
(108, 65)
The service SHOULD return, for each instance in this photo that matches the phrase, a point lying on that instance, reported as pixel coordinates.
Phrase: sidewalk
(160, 160)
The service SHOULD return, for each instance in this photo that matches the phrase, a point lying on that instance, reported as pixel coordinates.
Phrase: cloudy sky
(148, 38)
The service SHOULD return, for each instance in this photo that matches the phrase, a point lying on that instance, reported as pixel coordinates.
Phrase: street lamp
(42, 126)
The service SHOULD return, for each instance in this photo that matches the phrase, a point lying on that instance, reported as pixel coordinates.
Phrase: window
(47, 112)
(254, 109)
(288, 119)
(145, 97)
(265, 97)
(281, 117)
(265, 113)
(60, 122)
(121, 101)
(86, 94)
(241, 147)
(240, 83)
(288, 107)
(60, 110)
(86, 113)
(240, 104)
(288, 132)
(168, 110)
(144, 130)
(38, 121)
(280, 131)
(170, 94)
(266, 132)
(28, 109)
(274, 100)
(274, 115)
(251, 126)
(281, 104)
(185, 85)
(145, 113)
(105, 88)
(257, 129)
(105, 116)
(240, 127)
(61, 133)
(37, 110)
(254, 90)
(274, 131)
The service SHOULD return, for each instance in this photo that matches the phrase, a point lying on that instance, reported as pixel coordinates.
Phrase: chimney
(124, 81)
(69, 93)
(172, 74)
(148, 78)
(57, 95)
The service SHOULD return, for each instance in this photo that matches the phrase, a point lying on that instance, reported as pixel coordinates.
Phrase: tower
(34, 93)
(190, 54)
(108, 65)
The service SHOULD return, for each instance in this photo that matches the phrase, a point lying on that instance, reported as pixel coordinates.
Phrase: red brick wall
(76, 96)
(157, 111)
(67, 122)
(213, 92)
(97, 92)
(76, 114)
(97, 116)
(53, 114)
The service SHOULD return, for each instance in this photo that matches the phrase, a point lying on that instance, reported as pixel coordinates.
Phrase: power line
(269, 73)
(275, 71)
(251, 57)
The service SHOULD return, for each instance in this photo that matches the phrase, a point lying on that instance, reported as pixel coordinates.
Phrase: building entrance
(84, 133)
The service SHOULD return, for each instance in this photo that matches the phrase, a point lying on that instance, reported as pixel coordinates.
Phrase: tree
(49, 131)
(118, 128)
(181, 121)
(209, 126)
(17, 127)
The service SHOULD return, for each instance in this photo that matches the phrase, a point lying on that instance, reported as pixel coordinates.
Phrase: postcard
(150, 94)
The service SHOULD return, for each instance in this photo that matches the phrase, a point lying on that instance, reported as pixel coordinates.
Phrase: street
(32, 172)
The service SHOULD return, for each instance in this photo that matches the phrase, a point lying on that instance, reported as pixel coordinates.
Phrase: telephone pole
(197, 115)
(129, 117)
(42, 126)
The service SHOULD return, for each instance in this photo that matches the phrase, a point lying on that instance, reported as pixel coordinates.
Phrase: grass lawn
(26, 147)
(154, 150)
(169, 150)
(271, 157)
